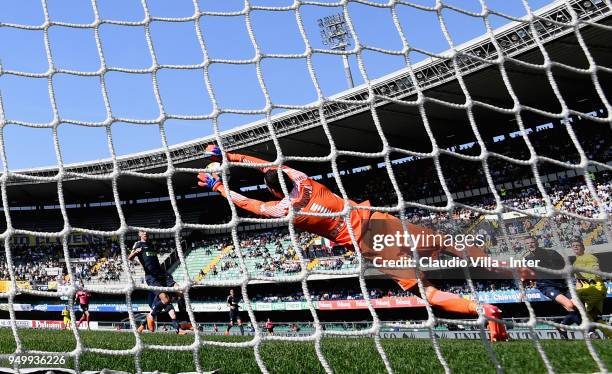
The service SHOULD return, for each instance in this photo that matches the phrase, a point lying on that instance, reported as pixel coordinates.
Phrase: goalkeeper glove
(213, 153)
(208, 181)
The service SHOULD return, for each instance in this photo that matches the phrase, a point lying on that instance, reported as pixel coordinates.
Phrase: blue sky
(183, 91)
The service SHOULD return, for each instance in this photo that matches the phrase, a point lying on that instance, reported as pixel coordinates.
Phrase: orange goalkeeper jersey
(307, 196)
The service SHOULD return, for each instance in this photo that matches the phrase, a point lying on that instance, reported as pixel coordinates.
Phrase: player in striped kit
(309, 196)
(82, 297)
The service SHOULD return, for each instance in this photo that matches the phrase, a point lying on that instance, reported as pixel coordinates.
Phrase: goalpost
(539, 27)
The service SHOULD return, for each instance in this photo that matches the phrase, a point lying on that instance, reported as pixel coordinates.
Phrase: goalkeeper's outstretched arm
(293, 180)
(214, 154)
(270, 209)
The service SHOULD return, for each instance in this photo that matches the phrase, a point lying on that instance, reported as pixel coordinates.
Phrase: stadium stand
(270, 253)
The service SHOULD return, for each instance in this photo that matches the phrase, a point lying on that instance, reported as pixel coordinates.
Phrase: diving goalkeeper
(309, 196)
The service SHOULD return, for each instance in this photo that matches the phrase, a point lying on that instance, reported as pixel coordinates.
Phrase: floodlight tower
(335, 35)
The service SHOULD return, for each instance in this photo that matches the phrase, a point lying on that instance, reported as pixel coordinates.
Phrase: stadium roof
(349, 117)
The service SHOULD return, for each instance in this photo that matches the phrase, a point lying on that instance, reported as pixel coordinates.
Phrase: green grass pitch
(353, 355)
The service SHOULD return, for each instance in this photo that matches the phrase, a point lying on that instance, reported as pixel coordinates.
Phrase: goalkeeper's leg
(386, 224)
(454, 303)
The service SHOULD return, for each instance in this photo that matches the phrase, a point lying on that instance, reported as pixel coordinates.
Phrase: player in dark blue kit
(234, 313)
(552, 286)
(156, 276)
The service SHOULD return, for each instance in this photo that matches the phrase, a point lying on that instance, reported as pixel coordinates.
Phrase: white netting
(371, 101)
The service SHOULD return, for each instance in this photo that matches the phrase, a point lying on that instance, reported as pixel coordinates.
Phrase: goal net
(419, 92)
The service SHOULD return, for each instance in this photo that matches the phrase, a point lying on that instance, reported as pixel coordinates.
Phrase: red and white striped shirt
(83, 297)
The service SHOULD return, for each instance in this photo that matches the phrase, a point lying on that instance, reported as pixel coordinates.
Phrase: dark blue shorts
(552, 288)
(164, 280)
(234, 315)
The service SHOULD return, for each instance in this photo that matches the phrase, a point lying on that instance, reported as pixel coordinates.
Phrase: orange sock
(451, 302)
